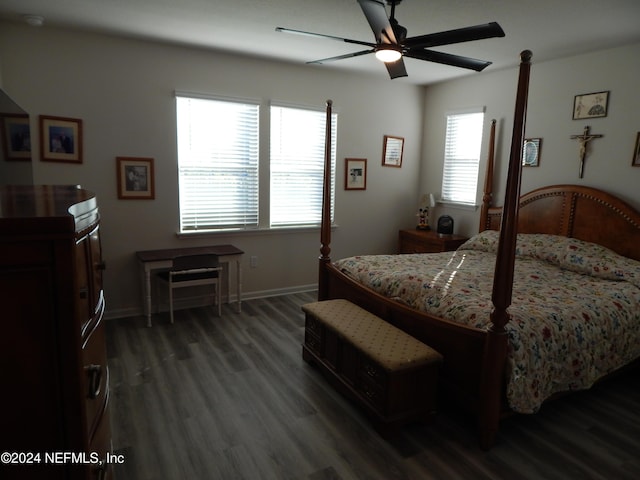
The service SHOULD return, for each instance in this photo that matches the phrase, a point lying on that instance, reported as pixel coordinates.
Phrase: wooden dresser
(427, 241)
(53, 360)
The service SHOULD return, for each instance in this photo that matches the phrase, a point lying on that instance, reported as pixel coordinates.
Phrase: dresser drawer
(101, 444)
(421, 241)
(410, 245)
(372, 383)
(95, 376)
(312, 325)
(312, 341)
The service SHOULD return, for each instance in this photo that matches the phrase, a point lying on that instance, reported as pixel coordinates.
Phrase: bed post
(487, 194)
(495, 352)
(325, 224)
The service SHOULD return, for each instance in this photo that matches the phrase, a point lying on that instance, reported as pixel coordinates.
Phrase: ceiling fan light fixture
(392, 44)
(388, 53)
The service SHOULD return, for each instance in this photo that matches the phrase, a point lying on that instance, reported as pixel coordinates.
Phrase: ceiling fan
(392, 43)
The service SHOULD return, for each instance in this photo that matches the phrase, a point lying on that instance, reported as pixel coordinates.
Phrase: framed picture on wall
(355, 174)
(531, 152)
(392, 149)
(60, 139)
(590, 105)
(635, 162)
(135, 178)
(16, 137)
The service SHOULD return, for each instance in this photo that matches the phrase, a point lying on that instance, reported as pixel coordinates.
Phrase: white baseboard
(199, 301)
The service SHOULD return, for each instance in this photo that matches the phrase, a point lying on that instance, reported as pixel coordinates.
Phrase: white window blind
(462, 157)
(217, 164)
(297, 165)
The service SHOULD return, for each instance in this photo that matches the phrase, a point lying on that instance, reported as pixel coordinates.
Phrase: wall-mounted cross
(585, 138)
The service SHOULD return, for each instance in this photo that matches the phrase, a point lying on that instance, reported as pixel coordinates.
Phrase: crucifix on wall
(584, 139)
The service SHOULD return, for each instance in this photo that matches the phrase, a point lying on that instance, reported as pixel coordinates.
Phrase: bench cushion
(392, 348)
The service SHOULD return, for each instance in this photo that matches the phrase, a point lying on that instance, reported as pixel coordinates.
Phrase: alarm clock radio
(445, 225)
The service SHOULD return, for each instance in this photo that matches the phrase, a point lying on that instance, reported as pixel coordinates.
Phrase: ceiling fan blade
(342, 57)
(377, 17)
(396, 69)
(321, 35)
(467, 34)
(448, 59)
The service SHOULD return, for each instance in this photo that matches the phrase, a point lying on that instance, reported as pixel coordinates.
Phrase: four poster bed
(512, 332)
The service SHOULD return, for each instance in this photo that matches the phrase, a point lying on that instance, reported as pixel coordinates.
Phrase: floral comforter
(575, 307)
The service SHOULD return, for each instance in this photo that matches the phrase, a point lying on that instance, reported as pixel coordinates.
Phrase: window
(462, 157)
(297, 165)
(217, 163)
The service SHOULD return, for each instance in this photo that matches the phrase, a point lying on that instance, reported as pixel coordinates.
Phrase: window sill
(255, 231)
(472, 207)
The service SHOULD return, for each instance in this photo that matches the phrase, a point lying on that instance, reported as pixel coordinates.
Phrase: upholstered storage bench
(388, 372)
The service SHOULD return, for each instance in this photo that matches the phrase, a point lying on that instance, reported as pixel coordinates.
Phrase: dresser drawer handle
(312, 324)
(95, 379)
(370, 394)
(371, 371)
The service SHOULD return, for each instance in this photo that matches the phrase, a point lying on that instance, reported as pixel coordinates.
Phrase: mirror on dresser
(15, 141)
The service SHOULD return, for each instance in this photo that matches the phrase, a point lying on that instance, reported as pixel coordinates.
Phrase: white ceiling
(550, 28)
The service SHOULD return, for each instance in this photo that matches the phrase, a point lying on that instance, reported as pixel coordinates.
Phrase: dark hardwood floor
(231, 398)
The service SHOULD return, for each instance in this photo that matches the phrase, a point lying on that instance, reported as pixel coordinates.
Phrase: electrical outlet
(253, 261)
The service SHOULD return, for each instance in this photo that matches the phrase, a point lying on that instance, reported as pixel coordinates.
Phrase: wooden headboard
(579, 212)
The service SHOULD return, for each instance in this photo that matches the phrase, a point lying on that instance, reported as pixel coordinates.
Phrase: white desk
(150, 260)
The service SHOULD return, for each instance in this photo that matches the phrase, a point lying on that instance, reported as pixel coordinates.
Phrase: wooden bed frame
(472, 376)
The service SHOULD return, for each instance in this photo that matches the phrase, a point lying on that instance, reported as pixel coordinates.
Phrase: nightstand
(421, 241)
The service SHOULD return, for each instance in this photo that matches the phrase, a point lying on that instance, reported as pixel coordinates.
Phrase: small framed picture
(636, 152)
(135, 178)
(355, 174)
(16, 138)
(60, 139)
(392, 149)
(590, 105)
(531, 152)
